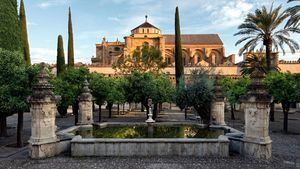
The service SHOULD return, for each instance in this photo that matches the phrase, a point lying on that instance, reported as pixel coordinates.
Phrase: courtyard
(285, 147)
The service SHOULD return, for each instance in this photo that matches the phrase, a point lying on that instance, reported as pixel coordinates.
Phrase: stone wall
(150, 147)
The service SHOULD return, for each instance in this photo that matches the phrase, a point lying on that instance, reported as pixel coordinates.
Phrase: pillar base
(38, 151)
(258, 150)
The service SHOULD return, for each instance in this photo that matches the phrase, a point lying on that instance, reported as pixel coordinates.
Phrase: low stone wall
(150, 147)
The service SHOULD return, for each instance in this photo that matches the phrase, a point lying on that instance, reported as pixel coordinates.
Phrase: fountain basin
(200, 147)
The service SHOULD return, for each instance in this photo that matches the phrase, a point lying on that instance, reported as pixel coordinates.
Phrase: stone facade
(85, 115)
(43, 110)
(257, 142)
(197, 49)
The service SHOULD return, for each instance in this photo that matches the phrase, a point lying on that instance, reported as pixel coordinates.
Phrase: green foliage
(24, 36)
(284, 87)
(10, 26)
(15, 83)
(99, 87)
(69, 84)
(181, 95)
(234, 88)
(256, 63)
(199, 91)
(294, 14)
(263, 28)
(179, 67)
(60, 59)
(70, 42)
(113, 95)
(164, 89)
(139, 87)
(143, 60)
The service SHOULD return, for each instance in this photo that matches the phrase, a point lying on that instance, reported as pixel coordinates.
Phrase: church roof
(205, 39)
(146, 25)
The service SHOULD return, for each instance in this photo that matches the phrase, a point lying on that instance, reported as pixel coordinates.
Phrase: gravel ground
(65, 162)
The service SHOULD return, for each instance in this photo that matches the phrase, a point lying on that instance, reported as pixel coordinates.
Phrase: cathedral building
(197, 49)
(206, 50)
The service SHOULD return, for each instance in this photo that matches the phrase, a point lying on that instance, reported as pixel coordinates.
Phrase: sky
(95, 19)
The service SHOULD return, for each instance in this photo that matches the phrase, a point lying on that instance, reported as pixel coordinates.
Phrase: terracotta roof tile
(145, 25)
(205, 39)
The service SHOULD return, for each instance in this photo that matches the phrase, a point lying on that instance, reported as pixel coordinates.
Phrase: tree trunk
(286, 108)
(100, 112)
(272, 111)
(160, 107)
(93, 106)
(232, 111)
(109, 109)
(118, 109)
(75, 108)
(124, 108)
(20, 129)
(155, 111)
(3, 127)
(185, 113)
(129, 106)
(268, 44)
(142, 107)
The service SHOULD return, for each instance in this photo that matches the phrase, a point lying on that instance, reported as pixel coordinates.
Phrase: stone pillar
(43, 109)
(298, 107)
(257, 142)
(218, 106)
(85, 115)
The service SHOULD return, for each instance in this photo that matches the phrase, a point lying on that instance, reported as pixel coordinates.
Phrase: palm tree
(261, 28)
(294, 13)
(255, 62)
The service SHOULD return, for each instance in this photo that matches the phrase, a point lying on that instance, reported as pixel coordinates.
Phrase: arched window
(117, 49)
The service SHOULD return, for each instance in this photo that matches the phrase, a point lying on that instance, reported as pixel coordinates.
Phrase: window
(147, 30)
(117, 49)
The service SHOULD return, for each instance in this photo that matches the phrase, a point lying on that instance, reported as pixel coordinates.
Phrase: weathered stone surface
(218, 106)
(217, 112)
(257, 142)
(85, 115)
(153, 147)
(42, 150)
(43, 109)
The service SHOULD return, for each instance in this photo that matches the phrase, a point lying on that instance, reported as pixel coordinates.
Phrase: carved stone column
(218, 106)
(43, 109)
(85, 116)
(257, 142)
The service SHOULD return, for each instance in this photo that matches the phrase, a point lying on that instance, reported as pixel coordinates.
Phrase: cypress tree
(60, 60)
(10, 26)
(70, 42)
(179, 70)
(24, 36)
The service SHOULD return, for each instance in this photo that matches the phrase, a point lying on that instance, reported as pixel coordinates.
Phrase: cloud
(46, 55)
(116, 19)
(49, 3)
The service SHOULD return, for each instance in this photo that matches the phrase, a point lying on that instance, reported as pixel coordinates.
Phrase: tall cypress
(9, 25)
(179, 69)
(24, 36)
(60, 60)
(70, 42)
